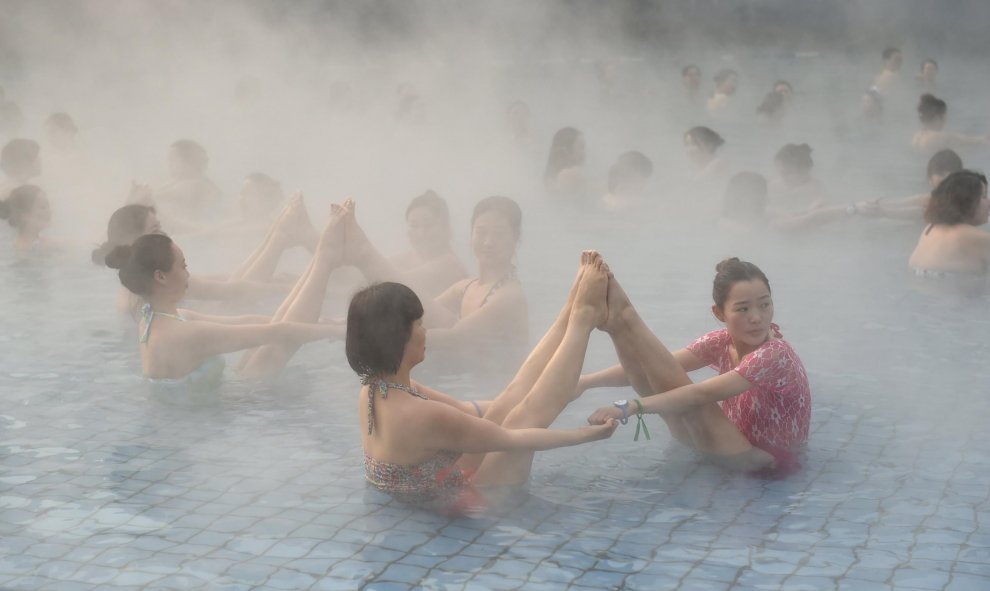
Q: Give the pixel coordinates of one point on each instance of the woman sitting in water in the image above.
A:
(796, 189)
(627, 182)
(702, 145)
(430, 264)
(253, 277)
(753, 415)
(563, 176)
(952, 245)
(775, 105)
(744, 206)
(726, 82)
(27, 210)
(926, 78)
(480, 322)
(932, 112)
(183, 347)
(940, 165)
(190, 194)
(429, 449)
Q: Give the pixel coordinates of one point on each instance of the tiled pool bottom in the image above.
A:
(267, 495)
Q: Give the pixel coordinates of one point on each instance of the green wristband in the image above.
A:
(640, 423)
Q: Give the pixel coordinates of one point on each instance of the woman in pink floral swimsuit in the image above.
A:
(751, 416)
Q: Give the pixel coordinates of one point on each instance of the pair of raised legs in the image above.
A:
(546, 382)
(652, 370)
(305, 302)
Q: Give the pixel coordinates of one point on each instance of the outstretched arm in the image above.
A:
(211, 338)
(683, 399)
(449, 429)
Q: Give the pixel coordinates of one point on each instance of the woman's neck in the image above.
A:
(163, 304)
(399, 377)
(494, 272)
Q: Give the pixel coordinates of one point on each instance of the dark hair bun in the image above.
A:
(100, 254)
(118, 257)
(725, 264)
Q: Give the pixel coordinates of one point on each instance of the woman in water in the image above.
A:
(429, 449)
(926, 78)
(940, 165)
(480, 322)
(775, 105)
(796, 189)
(564, 176)
(190, 194)
(932, 136)
(753, 415)
(27, 210)
(726, 82)
(627, 182)
(951, 244)
(744, 206)
(430, 264)
(702, 145)
(181, 347)
(252, 277)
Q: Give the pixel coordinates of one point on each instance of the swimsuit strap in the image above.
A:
(148, 314)
(499, 284)
(383, 387)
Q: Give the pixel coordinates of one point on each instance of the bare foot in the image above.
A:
(297, 220)
(565, 312)
(358, 245)
(618, 305)
(589, 301)
(331, 243)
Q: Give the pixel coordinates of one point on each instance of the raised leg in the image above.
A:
(554, 387)
(292, 228)
(706, 428)
(305, 302)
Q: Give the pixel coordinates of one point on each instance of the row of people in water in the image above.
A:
(430, 449)
(748, 201)
(776, 103)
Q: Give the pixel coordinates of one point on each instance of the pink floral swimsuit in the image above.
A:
(776, 412)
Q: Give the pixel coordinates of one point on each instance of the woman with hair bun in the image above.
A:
(754, 415)
(951, 244)
(254, 276)
(182, 348)
(27, 210)
(932, 112)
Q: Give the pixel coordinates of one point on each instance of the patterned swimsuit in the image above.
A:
(437, 484)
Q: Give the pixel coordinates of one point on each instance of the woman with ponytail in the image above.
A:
(753, 415)
(932, 112)
(182, 347)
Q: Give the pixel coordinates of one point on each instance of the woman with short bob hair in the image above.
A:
(429, 449)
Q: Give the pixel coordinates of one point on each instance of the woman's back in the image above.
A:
(959, 248)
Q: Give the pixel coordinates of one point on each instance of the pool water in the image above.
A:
(104, 485)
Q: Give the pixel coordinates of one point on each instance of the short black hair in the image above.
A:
(889, 52)
(379, 324)
(944, 162)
